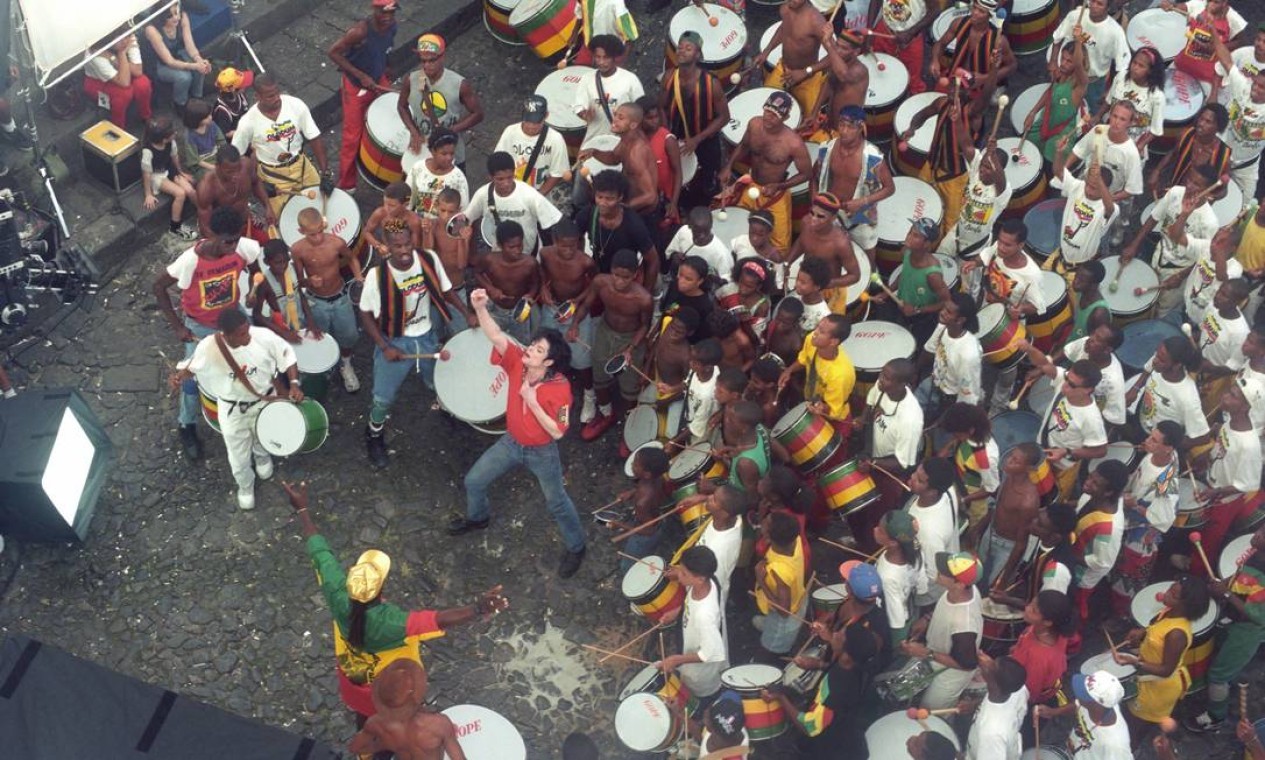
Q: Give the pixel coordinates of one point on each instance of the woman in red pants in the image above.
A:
(117, 74)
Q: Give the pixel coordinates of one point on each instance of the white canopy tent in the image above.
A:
(62, 35)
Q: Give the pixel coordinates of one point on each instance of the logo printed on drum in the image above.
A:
(729, 39)
(920, 206)
(498, 384)
(1183, 92)
(339, 226)
(870, 334)
(473, 727)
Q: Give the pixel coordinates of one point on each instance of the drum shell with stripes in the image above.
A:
(809, 439)
(547, 26)
(1047, 330)
(1031, 24)
(1026, 177)
(764, 719)
(496, 18)
(999, 335)
(651, 591)
(1198, 657)
(846, 489)
(383, 142)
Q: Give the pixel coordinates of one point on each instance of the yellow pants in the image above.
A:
(780, 208)
(288, 180)
(952, 193)
(805, 93)
(1210, 391)
(1066, 480)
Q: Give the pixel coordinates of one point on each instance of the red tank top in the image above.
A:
(213, 288)
(658, 144)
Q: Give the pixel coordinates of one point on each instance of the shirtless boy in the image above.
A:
(737, 345)
(1018, 501)
(394, 206)
(822, 238)
(566, 274)
(510, 276)
(847, 80)
(669, 361)
(318, 257)
(232, 184)
(636, 156)
(649, 496)
(626, 311)
(402, 724)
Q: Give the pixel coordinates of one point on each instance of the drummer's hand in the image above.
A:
(584, 155)
(392, 354)
(479, 298)
(705, 486)
(1221, 588)
(821, 630)
(935, 69)
(969, 266)
(296, 392)
(1124, 659)
(315, 332)
(1023, 344)
(1040, 711)
(863, 465)
(491, 602)
(907, 309)
(1246, 732)
(573, 334)
(297, 494)
(672, 213)
(914, 648)
(415, 143)
(1166, 5)
(291, 336)
(1055, 454)
(1133, 637)
(784, 379)
(819, 407)
(1128, 253)
(1171, 282)
(585, 114)
(174, 380)
(1013, 311)
(670, 617)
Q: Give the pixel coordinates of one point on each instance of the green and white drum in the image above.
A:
(316, 359)
(285, 428)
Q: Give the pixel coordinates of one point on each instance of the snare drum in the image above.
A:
(651, 680)
(810, 440)
(1031, 25)
(948, 270)
(1025, 176)
(1146, 607)
(645, 723)
(765, 719)
(1048, 330)
(999, 335)
(1002, 626)
(647, 586)
(914, 156)
(1163, 30)
(873, 343)
(887, 736)
(1120, 451)
(847, 489)
(826, 599)
(547, 26)
(1143, 338)
(804, 683)
(689, 464)
(1183, 97)
(913, 199)
(723, 45)
(342, 216)
(747, 106)
(641, 426)
(1045, 228)
(315, 360)
(485, 733)
(469, 386)
(383, 142)
(888, 87)
(285, 428)
(1126, 674)
(1123, 300)
(1233, 556)
(1191, 514)
(693, 516)
(496, 19)
(558, 88)
(210, 408)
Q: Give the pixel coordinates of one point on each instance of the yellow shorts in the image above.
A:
(805, 93)
(780, 208)
(288, 180)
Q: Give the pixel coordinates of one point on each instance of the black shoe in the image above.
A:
(189, 440)
(376, 446)
(570, 564)
(18, 139)
(461, 526)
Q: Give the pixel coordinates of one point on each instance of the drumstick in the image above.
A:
(919, 714)
(1213, 410)
(1110, 643)
(1114, 285)
(870, 32)
(877, 280)
(782, 610)
(631, 641)
(647, 523)
(442, 356)
(1196, 538)
(606, 506)
(1002, 102)
(641, 561)
(1144, 291)
(617, 654)
(1242, 700)
(848, 549)
(703, 7)
(812, 636)
(1014, 402)
(1036, 729)
(898, 481)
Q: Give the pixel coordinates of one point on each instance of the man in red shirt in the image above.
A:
(536, 417)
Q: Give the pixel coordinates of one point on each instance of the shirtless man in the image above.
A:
(770, 147)
(1018, 501)
(981, 50)
(854, 172)
(626, 311)
(402, 724)
(231, 184)
(695, 110)
(634, 152)
(669, 361)
(510, 276)
(395, 200)
(801, 35)
(566, 274)
(318, 257)
(762, 389)
(821, 238)
(738, 347)
(847, 83)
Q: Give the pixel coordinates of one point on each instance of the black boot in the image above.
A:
(190, 442)
(376, 446)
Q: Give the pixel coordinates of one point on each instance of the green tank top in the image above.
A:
(760, 452)
(913, 288)
(1080, 318)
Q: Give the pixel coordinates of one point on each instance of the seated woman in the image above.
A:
(179, 62)
(116, 74)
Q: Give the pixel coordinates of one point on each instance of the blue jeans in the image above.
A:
(337, 317)
(189, 403)
(543, 462)
(184, 84)
(639, 545)
(388, 376)
(930, 398)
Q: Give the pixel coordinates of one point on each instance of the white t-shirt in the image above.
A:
(1122, 159)
(260, 360)
(1200, 225)
(726, 545)
(981, 207)
(551, 161)
(995, 732)
(1202, 283)
(1084, 220)
(1102, 555)
(813, 313)
(1148, 104)
(1055, 576)
(901, 15)
(102, 67)
(899, 583)
(1100, 742)
(1235, 460)
(1245, 134)
(937, 532)
(621, 87)
(1110, 390)
(1025, 282)
(1253, 385)
(949, 618)
(606, 16)
(957, 365)
(1158, 487)
(277, 140)
(1244, 59)
(719, 260)
(427, 185)
(743, 249)
(1071, 427)
(1179, 402)
(700, 403)
(703, 633)
(416, 297)
(897, 426)
(1221, 340)
(524, 205)
(1106, 45)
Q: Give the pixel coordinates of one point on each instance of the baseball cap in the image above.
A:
(431, 43)
(779, 102)
(386, 5)
(900, 525)
(990, 5)
(962, 567)
(1099, 687)
(365, 578)
(727, 715)
(762, 216)
(234, 79)
(535, 108)
(925, 227)
(692, 37)
(862, 579)
(852, 37)
(828, 201)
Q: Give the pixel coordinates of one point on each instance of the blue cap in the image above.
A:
(925, 227)
(864, 581)
(852, 112)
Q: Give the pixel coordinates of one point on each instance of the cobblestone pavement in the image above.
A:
(177, 587)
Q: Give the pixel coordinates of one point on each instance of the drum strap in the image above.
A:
(679, 101)
(728, 752)
(492, 200)
(234, 366)
(531, 159)
(601, 97)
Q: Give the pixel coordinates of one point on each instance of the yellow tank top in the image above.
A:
(1251, 253)
(1152, 649)
(790, 570)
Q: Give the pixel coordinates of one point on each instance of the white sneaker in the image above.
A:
(589, 410)
(348, 373)
(245, 500)
(263, 468)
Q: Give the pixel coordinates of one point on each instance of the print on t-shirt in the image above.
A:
(282, 132)
(218, 292)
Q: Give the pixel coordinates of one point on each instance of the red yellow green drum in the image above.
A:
(847, 489)
(764, 719)
(999, 335)
(1026, 176)
(809, 439)
(1046, 331)
(545, 25)
(496, 18)
(1198, 658)
(210, 409)
(693, 516)
(1031, 25)
(647, 586)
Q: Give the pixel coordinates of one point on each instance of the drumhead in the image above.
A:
(748, 105)
(1239, 548)
(1160, 29)
(1011, 428)
(1021, 106)
(643, 722)
(886, 86)
(342, 215)
(788, 420)
(913, 198)
(775, 55)
(873, 343)
(1054, 288)
(921, 140)
(558, 88)
(1030, 7)
(646, 679)
(1027, 170)
(996, 611)
(1106, 662)
(1183, 97)
(886, 737)
(751, 677)
(469, 386)
(733, 223)
(724, 42)
(944, 21)
(601, 142)
(281, 428)
(628, 463)
(640, 578)
(616, 364)
(1146, 606)
(385, 126)
(989, 317)
(834, 595)
(687, 465)
(1120, 451)
(316, 356)
(1227, 208)
(689, 167)
(1143, 339)
(486, 733)
(1044, 222)
(641, 426)
(1137, 274)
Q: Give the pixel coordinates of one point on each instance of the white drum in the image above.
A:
(644, 723)
(1146, 605)
(1183, 97)
(913, 198)
(886, 737)
(1228, 208)
(558, 88)
(1234, 555)
(1124, 300)
(689, 167)
(342, 215)
(729, 222)
(748, 105)
(920, 142)
(316, 357)
(1120, 451)
(1040, 395)
(723, 44)
(944, 21)
(486, 733)
(641, 426)
(1163, 30)
(628, 463)
(889, 83)
(1022, 105)
(873, 343)
(469, 386)
(775, 55)
(286, 428)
